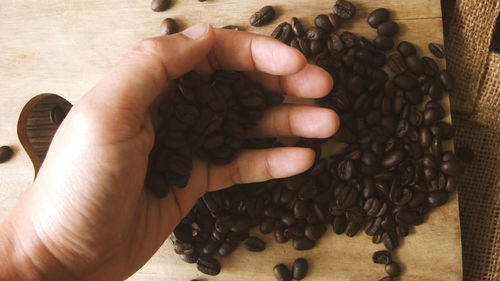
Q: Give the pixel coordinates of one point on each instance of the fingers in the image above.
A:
(247, 52)
(142, 75)
(299, 121)
(260, 165)
(310, 82)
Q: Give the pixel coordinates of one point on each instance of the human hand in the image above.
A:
(88, 215)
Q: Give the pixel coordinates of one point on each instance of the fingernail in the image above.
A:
(196, 31)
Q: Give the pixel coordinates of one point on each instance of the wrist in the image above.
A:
(24, 256)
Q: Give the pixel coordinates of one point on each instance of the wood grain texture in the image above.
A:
(65, 47)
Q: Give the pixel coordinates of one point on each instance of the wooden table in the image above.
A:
(64, 47)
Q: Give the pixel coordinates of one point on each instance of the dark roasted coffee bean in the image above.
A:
(415, 64)
(437, 198)
(393, 158)
(451, 168)
(382, 257)
(5, 153)
(335, 21)
(160, 5)
(430, 116)
(254, 244)
(316, 46)
(344, 9)
(278, 30)
(286, 34)
(388, 28)
(352, 229)
(289, 219)
(267, 225)
(263, 16)
(335, 44)
(231, 27)
(282, 273)
(226, 248)
(383, 43)
(373, 227)
(447, 80)
(396, 63)
(390, 240)
(406, 48)
(208, 265)
(339, 224)
(168, 26)
(346, 169)
(377, 17)
(413, 96)
(189, 258)
(405, 82)
(435, 90)
(210, 247)
(280, 237)
(302, 244)
(393, 269)
(323, 22)
(314, 232)
(437, 50)
(431, 67)
(349, 39)
(314, 33)
(297, 27)
(300, 268)
(377, 239)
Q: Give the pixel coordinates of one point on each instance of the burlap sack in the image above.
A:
(475, 106)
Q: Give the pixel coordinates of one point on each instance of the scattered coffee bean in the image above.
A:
(160, 5)
(437, 50)
(297, 27)
(168, 26)
(208, 265)
(389, 28)
(263, 16)
(406, 49)
(5, 153)
(300, 268)
(393, 269)
(344, 9)
(377, 17)
(254, 244)
(382, 257)
(282, 273)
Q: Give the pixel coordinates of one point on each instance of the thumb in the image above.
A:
(142, 75)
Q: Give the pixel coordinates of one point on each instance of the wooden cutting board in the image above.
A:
(64, 47)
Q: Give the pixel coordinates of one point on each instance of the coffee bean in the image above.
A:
(437, 50)
(437, 198)
(431, 67)
(262, 17)
(335, 21)
(405, 82)
(383, 43)
(447, 80)
(390, 240)
(393, 158)
(382, 257)
(406, 49)
(231, 27)
(322, 21)
(346, 169)
(278, 30)
(302, 244)
(415, 64)
(314, 33)
(314, 232)
(160, 5)
(451, 168)
(388, 28)
(300, 268)
(297, 27)
(435, 90)
(254, 244)
(282, 273)
(168, 26)
(335, 44)
(208, 265)
(377, 17)
(392, 269)
(344, 9)
(396, 63)
(5, 153)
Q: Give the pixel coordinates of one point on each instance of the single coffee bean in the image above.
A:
(297, 27)
(396, 63)
(323, 22)
(415, 64)
(393, 158)
(314, 33)
(335, 21)
(377, 17)
(278, 30)
(227, 248)
(160, 5)
(254, 244)
(383, 43)
(344, 9)
(447, 80)
(5, 153)
(282, 273)
(302, 244)
(452, 168)
(431, 67)
(435, 90)
(406, 48)
(393, 269)
(437, 50)
(335, 44)
(262, 17)
(405, 82)
(231, 27)
(388, 28)
(390, 240)
(314, 232)
(168, 26)
(300, 268)
(208, 265)
(382, 257)
(437, 198)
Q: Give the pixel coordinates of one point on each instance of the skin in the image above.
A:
(88, 216)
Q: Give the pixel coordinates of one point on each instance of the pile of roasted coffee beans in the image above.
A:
(393, 171)
(207, 118)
